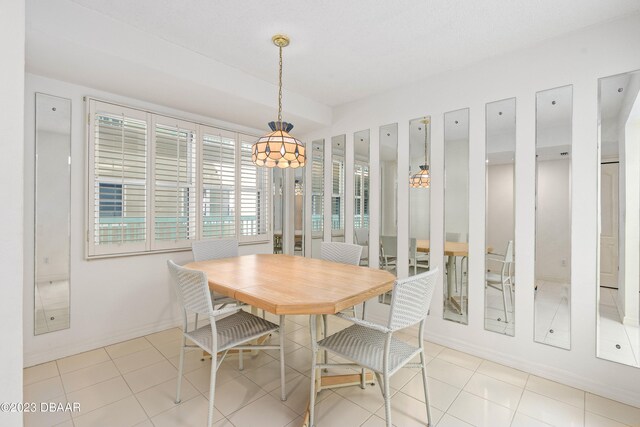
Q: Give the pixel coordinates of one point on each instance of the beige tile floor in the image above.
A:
(133, 384)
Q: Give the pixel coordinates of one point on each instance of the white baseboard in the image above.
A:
(36, 358)
(630, 397)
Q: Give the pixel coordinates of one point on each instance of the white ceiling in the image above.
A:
(340, 50)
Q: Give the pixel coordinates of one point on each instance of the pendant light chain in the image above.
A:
(280, 88)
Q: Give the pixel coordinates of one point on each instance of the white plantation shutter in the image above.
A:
(218, 160)
(317, 190)
(175, 197)
(361, 206)
(254, 195)
(337, 199)
(117, 180)
(158, 183)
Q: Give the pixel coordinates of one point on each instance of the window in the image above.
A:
(361, 202)
(337, 197)
(254, 194)
(218, 182)
(159, 183)
(317, 189)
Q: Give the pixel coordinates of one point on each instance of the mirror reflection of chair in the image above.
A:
(502, 282)
(388, 252)
(361, 237)
(417, 259)
(235, 330)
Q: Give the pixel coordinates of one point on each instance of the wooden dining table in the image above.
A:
(293, 285)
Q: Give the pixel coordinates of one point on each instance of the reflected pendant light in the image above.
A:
(278, 148)
(422, 179)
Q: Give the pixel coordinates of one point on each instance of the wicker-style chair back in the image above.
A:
(214, 249)
(344, 253)
(411, 299)
(508, 253)
(192, 288)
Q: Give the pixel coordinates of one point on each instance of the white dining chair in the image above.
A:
(373, 346)
(503, 282)
(206, 250)
(234, 331)
(344, 253)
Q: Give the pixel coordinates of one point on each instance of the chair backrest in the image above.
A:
(345, 253)
(453, 237)
(362, 236)
(214, 249)
(192, 288)
(389, 245)
(508, 253)
(410, 299)
(413, 247)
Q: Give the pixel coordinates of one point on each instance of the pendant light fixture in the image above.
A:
(278, 148)
(422, 179)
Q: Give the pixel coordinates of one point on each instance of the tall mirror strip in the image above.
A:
(298, 212)
(337, 187)
(52, 213)
(361, 189)
(456, 216)
(317, 196)
(389, 197)
(278, 193)
(419, 194)
(500, 197)
(618, 295)
(552, 287)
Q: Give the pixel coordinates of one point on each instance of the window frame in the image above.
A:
(150, 245)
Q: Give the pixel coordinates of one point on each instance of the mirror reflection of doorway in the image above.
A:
(609, 225)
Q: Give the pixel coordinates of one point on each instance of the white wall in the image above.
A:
(553, 222)
(456, 198)
(579, 59)
(500, 213)
(12, 29)
(112, 299)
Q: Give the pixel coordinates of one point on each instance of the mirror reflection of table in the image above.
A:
(451, 251)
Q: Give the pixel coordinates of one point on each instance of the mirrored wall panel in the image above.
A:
(456, 215)
(619, 219)
(554, 116)
(337, 187)
(499, 287)
(52, 207)
(298, 211)
(278, 177)
(419, 194)
(389, 197)
(317, 196)
(361, 193)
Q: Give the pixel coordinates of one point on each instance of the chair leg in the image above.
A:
(387, 400)
(240, 361)
(364, 307)
(312, 392)
(283, 395)
(326, 334)
(423, 362)
(212, 387)
(180, 369)
(504, 303)
(195, 325)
